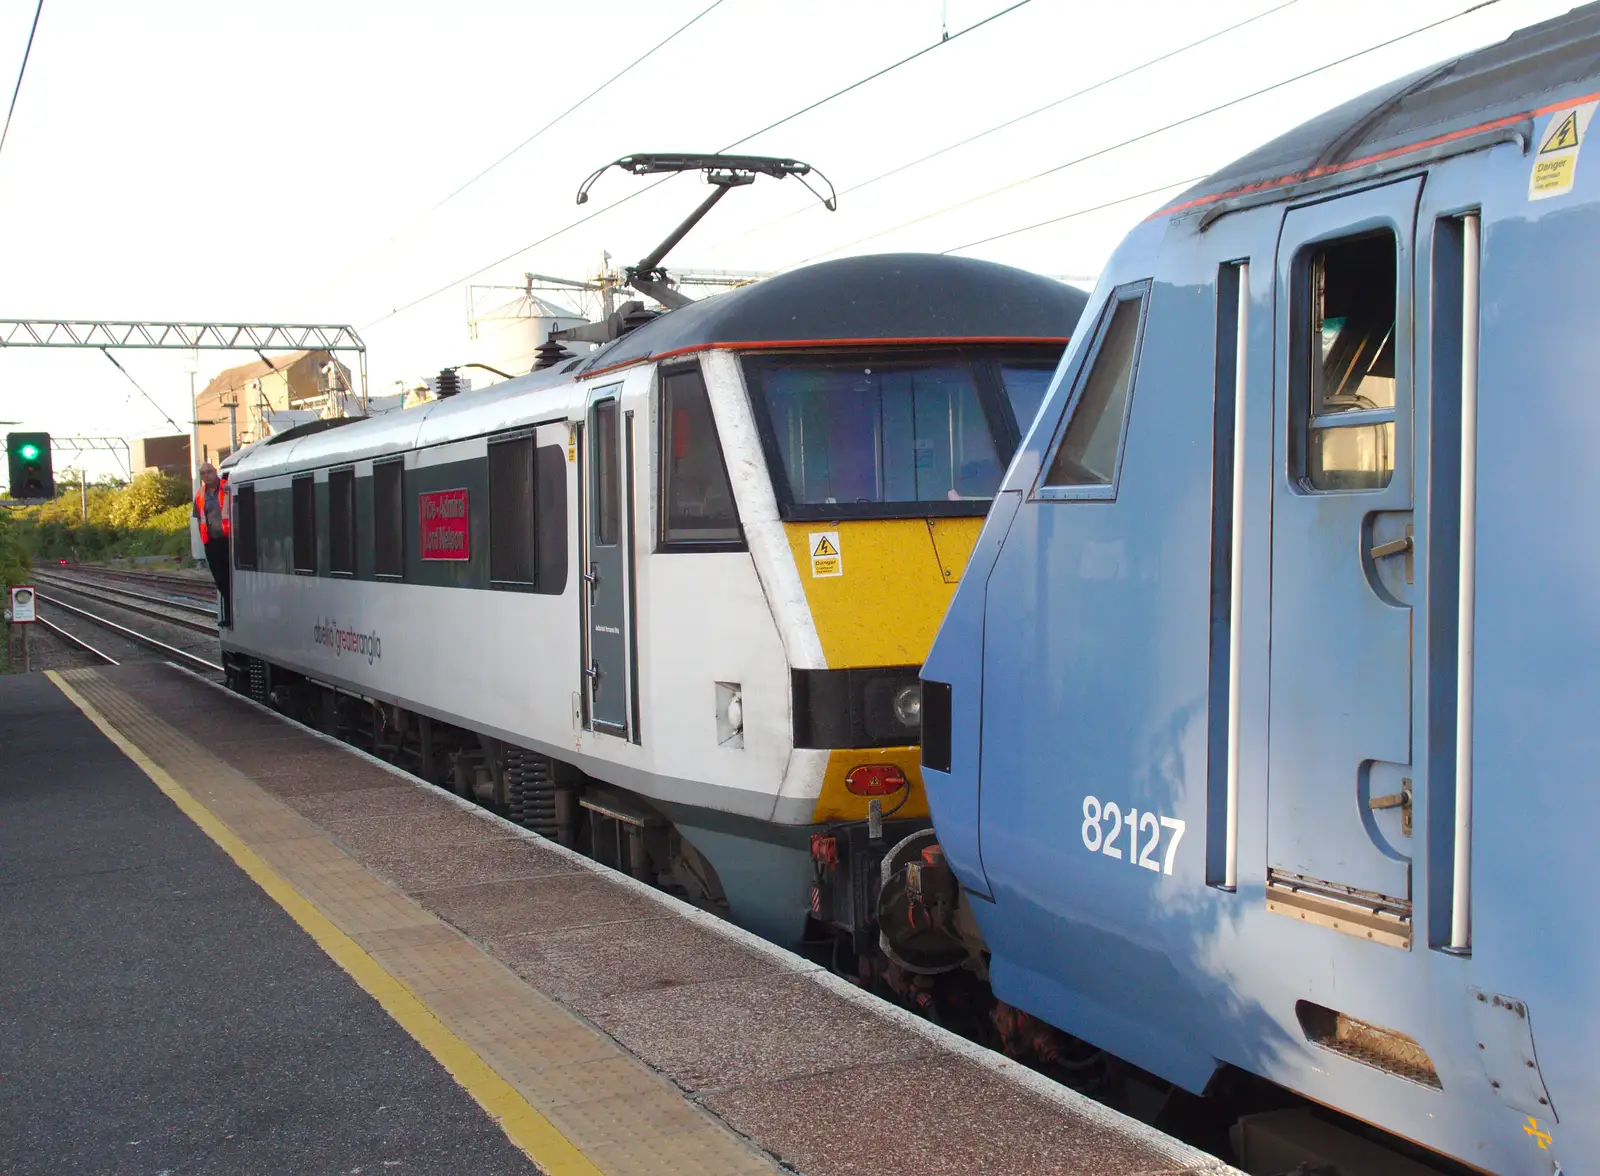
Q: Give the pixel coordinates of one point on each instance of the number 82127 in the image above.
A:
(1110, 831)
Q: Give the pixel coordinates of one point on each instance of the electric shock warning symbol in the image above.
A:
(1555, 167)
(826, 559)
(1565, 135)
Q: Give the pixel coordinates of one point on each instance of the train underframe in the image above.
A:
(885, 911)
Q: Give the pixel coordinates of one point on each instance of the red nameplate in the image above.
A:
(444, 530)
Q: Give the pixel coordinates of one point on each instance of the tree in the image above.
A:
(147, 496)
(13, 556)
(149, 516)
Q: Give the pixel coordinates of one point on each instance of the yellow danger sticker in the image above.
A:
(826, 559)
(1555, 167)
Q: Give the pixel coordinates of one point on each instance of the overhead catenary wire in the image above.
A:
(17, 89)
(947, 39)
(614, 78)
(142, 392)
(1038, 110)
(1077, 213)
(1143, 135)
(436, 206)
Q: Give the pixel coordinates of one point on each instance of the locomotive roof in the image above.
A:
(898, 297)
(1491, 94)
(906, 297)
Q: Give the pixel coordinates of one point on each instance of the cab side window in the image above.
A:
(1347, 413)
(1090, 447)
(697, 510)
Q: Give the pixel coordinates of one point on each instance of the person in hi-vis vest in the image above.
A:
(216, 529)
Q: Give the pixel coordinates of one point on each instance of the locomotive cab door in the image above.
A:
(607, 613)
(1344, 528)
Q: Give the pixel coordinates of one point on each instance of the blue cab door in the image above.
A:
(1344, 529)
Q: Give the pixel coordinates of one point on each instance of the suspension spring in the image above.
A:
(530, 790)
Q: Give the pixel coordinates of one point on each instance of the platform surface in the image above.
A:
(229, 944)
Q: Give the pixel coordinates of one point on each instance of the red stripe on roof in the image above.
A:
(1378, 157)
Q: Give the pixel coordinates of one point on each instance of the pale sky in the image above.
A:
(282, 162)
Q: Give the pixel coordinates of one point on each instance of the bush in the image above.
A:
(144, 498)
(13, 554)
(149, 516)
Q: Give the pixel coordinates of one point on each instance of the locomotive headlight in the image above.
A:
(908, 706)
(871, 706)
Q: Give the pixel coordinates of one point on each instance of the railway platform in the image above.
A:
(230, 944)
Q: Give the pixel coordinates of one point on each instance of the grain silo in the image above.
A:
(505, 335)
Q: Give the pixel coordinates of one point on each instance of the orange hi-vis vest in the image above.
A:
(222, 505)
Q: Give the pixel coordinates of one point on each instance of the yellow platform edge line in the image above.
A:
(530, 1131)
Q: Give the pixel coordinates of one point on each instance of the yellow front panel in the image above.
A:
(879, 600)
(878, 590)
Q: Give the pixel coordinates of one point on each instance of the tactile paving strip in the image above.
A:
(623, 1118)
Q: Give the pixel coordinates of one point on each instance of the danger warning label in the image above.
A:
(826, 559)
(1555, 167)
(1565, 135)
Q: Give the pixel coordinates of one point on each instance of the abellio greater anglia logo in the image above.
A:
(343, 641)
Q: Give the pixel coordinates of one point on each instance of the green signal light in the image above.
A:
(29, 452)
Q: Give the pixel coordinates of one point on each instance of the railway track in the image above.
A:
(124, 633)
(183, 656)
(192, 587)
(100, 623)
(73, 641)
(175, 612)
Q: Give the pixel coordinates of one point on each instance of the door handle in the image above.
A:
(592, 577)
(593, 672)
(1404, 545)
(1400, 800)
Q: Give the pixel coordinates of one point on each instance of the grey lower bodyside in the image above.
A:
(758, 845)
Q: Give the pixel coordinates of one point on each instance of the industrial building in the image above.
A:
(274, 393)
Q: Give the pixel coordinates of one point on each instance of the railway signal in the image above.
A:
(30, 466)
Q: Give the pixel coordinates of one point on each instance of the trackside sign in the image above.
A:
(22, 605)
(444, 530)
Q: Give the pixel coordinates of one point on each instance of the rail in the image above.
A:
(76, 640)
(98, 590)
(187, 585)
(182, 655)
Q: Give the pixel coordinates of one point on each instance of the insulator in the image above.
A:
(550, 353)
(449, 383)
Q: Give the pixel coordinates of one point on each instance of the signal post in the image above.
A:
(23, 611)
